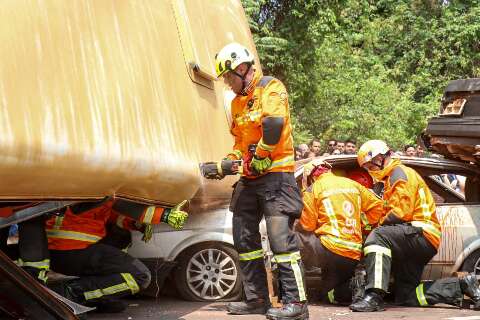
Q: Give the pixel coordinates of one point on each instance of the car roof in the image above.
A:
(440, 164)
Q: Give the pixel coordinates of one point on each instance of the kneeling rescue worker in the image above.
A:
(406, 240)
(267, 188)
(332, 210)
(76, 248)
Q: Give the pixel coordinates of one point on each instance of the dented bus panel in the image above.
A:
(113, 97)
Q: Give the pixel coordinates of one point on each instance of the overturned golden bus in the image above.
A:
(113, 97)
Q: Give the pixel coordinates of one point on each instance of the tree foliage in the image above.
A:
(365, 69)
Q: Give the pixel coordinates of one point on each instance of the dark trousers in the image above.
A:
(336, 270)
(276, 197)
(404, 250)
(104, 271)
(33, 251)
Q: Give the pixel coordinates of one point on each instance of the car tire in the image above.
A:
(209, 272)
(472, 263)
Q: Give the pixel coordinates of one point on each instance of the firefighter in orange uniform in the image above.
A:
(332, 208)
(407, 238)
(106, 273)
(263, 139)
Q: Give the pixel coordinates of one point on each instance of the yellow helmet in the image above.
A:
(230, 57)
(370, 150)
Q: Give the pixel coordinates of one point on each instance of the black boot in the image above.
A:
(259, 306)
(470, 287)
(289, 311)
(371, 302)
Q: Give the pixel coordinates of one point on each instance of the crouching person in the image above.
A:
(332, 209)
(406, 240)
(105, 272)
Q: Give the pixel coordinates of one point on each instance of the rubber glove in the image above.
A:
(176, 217)
(260, 165)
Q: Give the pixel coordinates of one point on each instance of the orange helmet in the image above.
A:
(361, 176)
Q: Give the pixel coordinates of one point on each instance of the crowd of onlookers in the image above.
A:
(349, 146)
(314, 148)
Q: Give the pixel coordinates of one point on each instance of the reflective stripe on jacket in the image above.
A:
(332, 208)
(78, 230)
(248, 113)
(408, 198)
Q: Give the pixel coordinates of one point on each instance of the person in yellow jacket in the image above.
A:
(407, 238)
(262, 132)
(332, 211)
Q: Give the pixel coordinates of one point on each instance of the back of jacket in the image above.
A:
(408, 198)
(332, 208)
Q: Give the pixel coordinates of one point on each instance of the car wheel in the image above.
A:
(209, 272)
(472, 263)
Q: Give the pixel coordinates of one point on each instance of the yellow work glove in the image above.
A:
(147, 232)
(260, 165)
(176, 217)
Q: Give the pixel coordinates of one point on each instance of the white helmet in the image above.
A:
(230, 57)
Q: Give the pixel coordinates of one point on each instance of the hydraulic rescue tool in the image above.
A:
(218, 170)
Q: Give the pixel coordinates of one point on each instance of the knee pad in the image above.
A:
(143, 276)
(281, 237)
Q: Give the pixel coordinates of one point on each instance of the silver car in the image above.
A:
(205, 266)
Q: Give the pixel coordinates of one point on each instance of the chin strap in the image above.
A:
(243, 92)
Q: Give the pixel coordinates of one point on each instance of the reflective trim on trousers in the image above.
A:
(293, 258)
(331, 296)
(132, 284)
(43, 264)
(377, 249)
(252, 255)
(421, 295)
(129, 285)
(379, 252)
(42, 275)
(73, 235)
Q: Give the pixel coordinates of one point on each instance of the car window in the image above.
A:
(443, 190)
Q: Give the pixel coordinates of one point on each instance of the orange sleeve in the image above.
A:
(371, 205)
(122, 221)
(398, 202)
(309, 217)
(275, 100)
(152, 215)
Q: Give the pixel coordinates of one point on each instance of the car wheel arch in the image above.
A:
(470, 249)
(198, 239)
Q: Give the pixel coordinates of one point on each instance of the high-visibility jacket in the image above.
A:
(269, 99)
(332, 208)
(79, 228)
(408, 199)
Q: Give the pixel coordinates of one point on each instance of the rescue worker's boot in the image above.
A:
(470, 287)
(289, 311)
(373, 301)
(259, 306)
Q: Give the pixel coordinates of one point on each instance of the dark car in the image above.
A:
(455, 131)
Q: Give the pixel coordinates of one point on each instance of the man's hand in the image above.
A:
(176, 217)
(260, 165)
